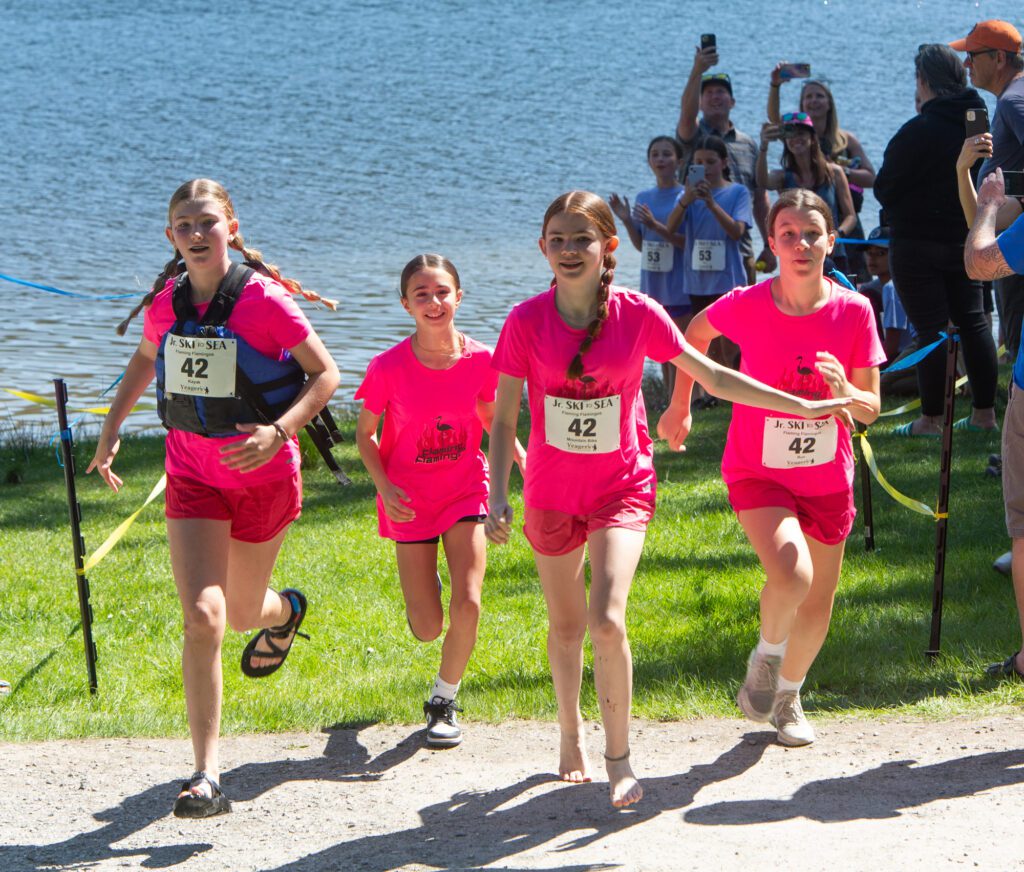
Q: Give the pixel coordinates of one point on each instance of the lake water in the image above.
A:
(353, 136)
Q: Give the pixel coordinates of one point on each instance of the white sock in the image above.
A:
(772, 649)
(444, 690)
(785, 684)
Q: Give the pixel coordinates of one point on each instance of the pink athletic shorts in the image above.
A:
(553, 533)
(827, 518)
(257, 513)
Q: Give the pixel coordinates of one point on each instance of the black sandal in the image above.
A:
(1005, 669)
(291, 626)
(188, 805)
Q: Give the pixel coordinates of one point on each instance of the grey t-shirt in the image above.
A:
(1007, 131)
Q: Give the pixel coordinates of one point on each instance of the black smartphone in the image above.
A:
(975, 122)
(1013, 182)
(707, 40)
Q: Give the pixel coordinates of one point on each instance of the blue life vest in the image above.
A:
(264, 387)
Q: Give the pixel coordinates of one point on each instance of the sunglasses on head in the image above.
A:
(715, 77)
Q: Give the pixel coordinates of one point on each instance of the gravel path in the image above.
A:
(721, 795)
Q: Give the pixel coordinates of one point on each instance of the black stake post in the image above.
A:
(942, 508)
(865, 492)
(77, 542)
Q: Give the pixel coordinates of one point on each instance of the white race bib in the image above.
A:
(657, 256)
(708, 255)
(790, 443)
(200, 366)
(583, 426)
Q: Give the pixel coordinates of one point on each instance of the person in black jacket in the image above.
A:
(917, 187)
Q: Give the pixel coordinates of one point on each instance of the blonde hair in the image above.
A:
(833, 140)
(208, 189)
(595, 210)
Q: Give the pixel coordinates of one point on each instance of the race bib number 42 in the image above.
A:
(790, 443)
(199, 366)
(582, 426)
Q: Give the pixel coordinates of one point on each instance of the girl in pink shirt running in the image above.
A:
(233, 487)
(791, 481)
(589, 482)
(435, 391)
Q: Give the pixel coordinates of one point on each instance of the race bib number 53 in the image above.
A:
(199, 366)
(582, 426)
(790, 443)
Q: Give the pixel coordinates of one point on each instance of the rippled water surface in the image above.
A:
(354, 136)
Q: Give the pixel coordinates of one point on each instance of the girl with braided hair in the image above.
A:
(233, 484)
(589, 481)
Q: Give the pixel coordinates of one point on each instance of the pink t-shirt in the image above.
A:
(596, 448)
(430, 442)
(781, 351)
(268, 318)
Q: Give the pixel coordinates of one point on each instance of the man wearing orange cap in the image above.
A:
(996, 65)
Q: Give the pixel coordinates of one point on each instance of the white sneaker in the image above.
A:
(443, 729)
(789, 720)
(757, 695)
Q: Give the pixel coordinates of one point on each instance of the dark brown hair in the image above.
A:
(800, 198)
(427, 261)
(819, 166)
(207, 189)
(595, 210)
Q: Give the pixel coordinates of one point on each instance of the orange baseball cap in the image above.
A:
(992, 34)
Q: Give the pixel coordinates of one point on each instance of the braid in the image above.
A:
(173, 267)
(255, 259)
(594, 328)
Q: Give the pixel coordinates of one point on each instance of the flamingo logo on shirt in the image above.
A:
(803, 381)
(441, 442)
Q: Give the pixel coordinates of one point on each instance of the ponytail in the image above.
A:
(254, 258)
(594, 328)
(174, 267)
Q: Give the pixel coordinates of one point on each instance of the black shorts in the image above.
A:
(472, 519)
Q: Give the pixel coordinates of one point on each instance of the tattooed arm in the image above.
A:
(982, 257)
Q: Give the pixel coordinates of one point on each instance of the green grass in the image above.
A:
(692, 614)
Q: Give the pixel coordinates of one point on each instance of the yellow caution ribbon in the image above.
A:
(49, 401)
(122, 528)
(914, 404)
(902, 499)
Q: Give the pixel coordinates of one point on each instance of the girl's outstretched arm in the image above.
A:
(676, 421)
(498, 525)
(138, 374)
(394, 498)
(485, 411)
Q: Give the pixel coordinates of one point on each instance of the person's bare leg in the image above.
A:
(614, 555)
(465, 548)
(564, 587)
(417, 573)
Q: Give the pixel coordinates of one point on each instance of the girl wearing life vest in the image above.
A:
(790, 481)
(239, 371)
(435, 391)
(580, 346)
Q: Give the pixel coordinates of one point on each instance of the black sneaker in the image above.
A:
(443, 729)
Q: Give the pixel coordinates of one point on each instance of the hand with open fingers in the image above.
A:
(643, 215)
(245, 455)
(620, 206)
(498, 525)
(840, 407)
(103, 460)
(674, 426)
(992, 190)
(397, 504)
(974, 149)
(776, 76)
(704, 191)
(834, 374)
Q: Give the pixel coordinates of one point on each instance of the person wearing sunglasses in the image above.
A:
(710, 94)
(996, 64)
(917, 187)
(804, 166)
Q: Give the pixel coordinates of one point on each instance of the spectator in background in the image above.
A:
(917, 186)
(996, 65)
(711, 94)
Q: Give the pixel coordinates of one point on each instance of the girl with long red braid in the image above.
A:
(589, 482)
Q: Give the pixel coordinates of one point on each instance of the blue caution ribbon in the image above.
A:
(52, 290)
(919, 355)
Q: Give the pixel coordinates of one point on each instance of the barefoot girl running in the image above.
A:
(580, 346)
(436, 393)
(214, 328)
(791, 482)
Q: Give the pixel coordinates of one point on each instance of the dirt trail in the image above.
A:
(721, 795)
